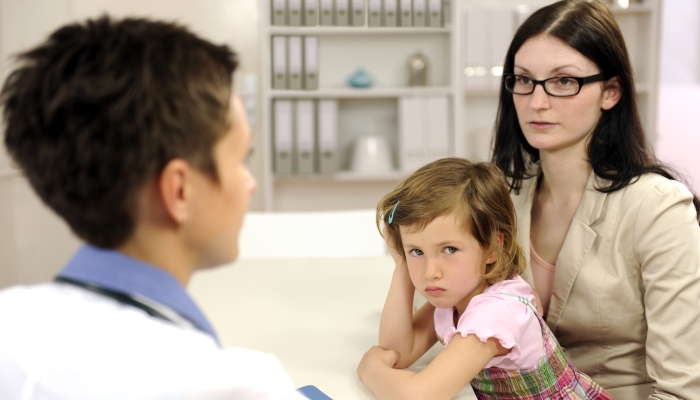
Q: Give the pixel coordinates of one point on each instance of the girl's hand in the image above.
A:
(381, 354)
(398, 257)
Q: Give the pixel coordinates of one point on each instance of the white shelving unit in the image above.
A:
(640, 23)
(383, 52)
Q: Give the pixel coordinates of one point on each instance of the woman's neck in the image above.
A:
(564, 176)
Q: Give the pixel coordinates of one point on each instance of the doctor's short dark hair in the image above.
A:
(476, 193)
(101, 107)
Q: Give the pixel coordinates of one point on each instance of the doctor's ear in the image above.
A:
(174, 189)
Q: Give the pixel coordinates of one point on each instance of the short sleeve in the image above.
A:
(509, 321)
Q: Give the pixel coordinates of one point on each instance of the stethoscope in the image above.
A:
(120, 297)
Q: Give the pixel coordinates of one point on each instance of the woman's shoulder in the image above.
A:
(654, 190)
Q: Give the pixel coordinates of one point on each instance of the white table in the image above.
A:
(319, 316)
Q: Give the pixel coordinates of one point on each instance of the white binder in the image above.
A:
(328, 136)
(390, 13)
(419, 13)
(295, 12)
(311, 62)
(310, 12)
(438, 128)
(279, 62)
(284, 136)
(295, 63)
(374, 15)
(326, 13)
(477, 42)
(279, 12)
(405, 14)
(305, 128)
(412, 131)
(435, 13)
(342, 12)
(358, 12)
(502, 31)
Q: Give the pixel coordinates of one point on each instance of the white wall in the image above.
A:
(678, 133)
(34, 242)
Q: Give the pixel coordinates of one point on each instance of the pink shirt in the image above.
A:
(494, 315)
(543, 277)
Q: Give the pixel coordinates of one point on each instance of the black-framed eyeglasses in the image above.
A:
(559, 86)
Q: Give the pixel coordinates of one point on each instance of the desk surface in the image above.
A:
(319, 316)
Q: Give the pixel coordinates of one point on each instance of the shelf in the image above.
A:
(345, 176)
(8, 173)
(368, 93)
(355, 30)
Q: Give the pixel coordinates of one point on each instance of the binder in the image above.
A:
(305, 129)
(279, 62)
(328, 136)
(405, 15)
(294, 10)
(311, 62)
(390, 13)
(284, 136)
(358, 12)
(446, 12)
(374, 16)
(419, 10)
(295, 62)
(310, 12)
(326, 13)
(412, 149)
(342, 12)
(477, 42)
(438, 128)
(279, 11)
(502, 31)
(435, 13)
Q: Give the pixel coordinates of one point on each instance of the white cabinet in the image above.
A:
(383, 53)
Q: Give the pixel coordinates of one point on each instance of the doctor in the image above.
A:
(130, 132)
(611, 238)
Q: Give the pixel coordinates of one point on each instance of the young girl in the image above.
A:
(451, 227)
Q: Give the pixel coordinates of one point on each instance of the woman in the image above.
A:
(611, 239)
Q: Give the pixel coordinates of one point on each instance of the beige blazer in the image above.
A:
(626, 299)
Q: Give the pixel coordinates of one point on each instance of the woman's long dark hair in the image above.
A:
(618, 150)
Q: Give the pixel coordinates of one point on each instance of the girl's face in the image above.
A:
(445, 262)
(551, 124)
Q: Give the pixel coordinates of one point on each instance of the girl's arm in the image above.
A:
(411, 335)
(446, 375)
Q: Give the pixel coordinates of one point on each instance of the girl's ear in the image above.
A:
(492, 255)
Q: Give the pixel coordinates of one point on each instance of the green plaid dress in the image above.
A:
(552, 378)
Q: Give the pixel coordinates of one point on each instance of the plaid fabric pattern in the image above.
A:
(552, 378)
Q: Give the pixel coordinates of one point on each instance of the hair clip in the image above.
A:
(391, 214)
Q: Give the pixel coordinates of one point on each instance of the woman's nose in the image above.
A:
(539, 99)
(251, 183)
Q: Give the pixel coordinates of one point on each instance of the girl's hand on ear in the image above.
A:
(377, 356)
(398, 257)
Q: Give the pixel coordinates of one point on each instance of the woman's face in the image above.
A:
(556, 124)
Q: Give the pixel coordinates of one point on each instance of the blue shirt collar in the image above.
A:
(113, 270)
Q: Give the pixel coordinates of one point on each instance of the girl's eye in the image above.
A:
(416, 252)
(524, 80)
(450, 250)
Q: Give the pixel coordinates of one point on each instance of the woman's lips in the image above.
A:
(434, 290)
(541, 124)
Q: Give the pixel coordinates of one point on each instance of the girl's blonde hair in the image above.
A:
(476, 193)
